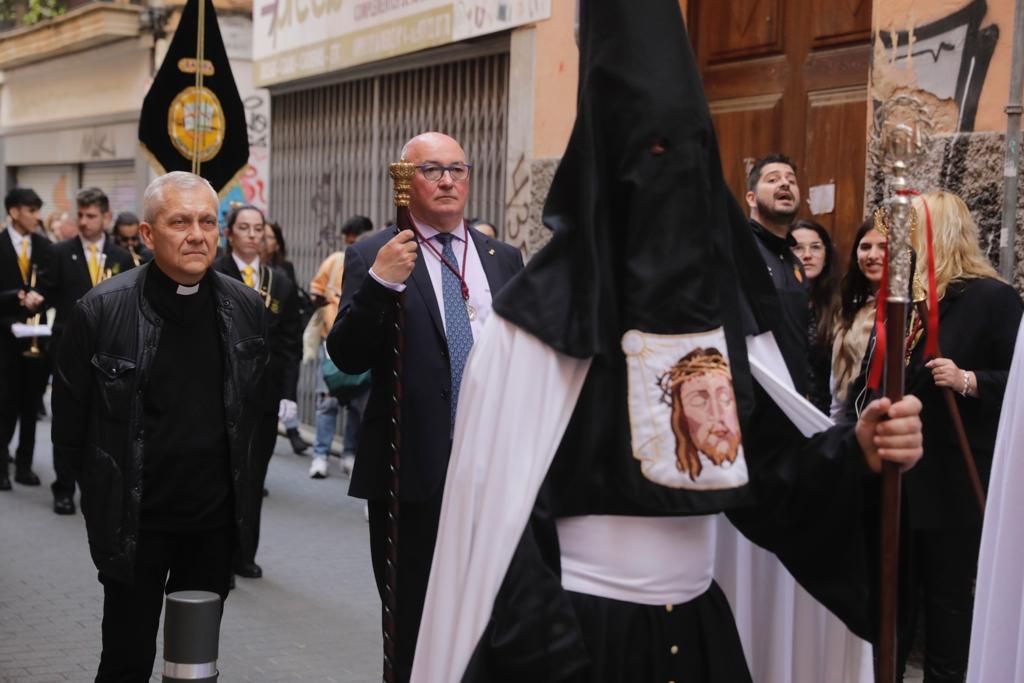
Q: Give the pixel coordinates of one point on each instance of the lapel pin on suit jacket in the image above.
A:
(491, 252)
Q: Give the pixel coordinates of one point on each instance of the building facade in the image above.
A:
(71, 88)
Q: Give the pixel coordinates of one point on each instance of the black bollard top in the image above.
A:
(192, 627)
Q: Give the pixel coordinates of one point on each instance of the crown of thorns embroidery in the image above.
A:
(697, 362)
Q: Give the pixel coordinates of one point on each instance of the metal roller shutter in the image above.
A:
(332, 146)
(117, 179)
(56, 185)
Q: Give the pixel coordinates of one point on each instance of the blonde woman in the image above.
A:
(979, 316)
(857, 309)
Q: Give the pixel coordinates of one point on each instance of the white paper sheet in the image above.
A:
(24, 330)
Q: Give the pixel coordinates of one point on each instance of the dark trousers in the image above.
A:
(164, 562)
(263, 441)
(942, 566)
(64, 484)
(22, 384)
(417, 531)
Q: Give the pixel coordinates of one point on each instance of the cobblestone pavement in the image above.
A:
(314, 616)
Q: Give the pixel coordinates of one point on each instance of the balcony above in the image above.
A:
(85, 26)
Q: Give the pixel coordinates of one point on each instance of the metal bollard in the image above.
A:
(191, 636)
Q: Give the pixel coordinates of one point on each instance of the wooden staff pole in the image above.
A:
(401, 173)
(901, 143)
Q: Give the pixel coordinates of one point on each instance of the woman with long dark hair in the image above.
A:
(275, 251)
(813, 246)
(857, 307)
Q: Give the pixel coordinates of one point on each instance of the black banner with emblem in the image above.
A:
(192, 118)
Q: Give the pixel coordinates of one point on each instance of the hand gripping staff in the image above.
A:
(401, 173)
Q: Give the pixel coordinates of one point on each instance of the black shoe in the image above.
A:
(299, 445)
(265, 492)
(26, 477)
(64, 505)
(249, 570)
(5, 480)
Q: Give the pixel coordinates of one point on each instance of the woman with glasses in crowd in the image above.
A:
(813, 246)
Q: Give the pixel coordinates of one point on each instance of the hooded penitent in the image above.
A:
(623, 347)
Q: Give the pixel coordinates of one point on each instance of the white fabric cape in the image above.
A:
(997, 634)
(497, 467)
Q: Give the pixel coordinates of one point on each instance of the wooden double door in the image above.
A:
(791, 76)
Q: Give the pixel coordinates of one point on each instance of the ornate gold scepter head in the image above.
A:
(402, 173)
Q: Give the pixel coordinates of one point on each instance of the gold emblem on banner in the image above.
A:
(189, 65)
(196, 109)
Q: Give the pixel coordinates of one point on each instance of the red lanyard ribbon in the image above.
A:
(931, 348)
(440, 257)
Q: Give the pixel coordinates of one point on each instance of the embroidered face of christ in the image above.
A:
(704, 415)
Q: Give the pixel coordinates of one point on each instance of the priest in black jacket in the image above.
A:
(155, 401)
(245, 228)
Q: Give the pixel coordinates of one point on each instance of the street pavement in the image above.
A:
(314, 616)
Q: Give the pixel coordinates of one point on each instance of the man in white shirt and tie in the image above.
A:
(23, 251)
(79, 264)
(444, 275)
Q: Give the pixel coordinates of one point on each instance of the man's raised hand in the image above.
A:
(395, 260)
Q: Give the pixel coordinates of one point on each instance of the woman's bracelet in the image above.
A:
(967, 384)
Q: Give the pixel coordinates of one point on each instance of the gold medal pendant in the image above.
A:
(471, 312)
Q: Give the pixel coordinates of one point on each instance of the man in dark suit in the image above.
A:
(245, 227)
(77, 265)
(22, 378)
(444, 274)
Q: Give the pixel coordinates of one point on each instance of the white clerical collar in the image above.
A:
(185, 290)
(242, 265)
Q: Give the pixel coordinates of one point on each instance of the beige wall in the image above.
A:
(556, 77)
(108, 80)
(891, 73)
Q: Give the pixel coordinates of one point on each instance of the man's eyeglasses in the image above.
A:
(434, 172)
(246, 229)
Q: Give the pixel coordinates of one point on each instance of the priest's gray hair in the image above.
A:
(153, 199)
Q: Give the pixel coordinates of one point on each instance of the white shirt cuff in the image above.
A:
(393, 286)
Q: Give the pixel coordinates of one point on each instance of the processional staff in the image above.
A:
(402, 173)
(902, 131)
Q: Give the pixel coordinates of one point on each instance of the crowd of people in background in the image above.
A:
(835, 303)
(826, 333)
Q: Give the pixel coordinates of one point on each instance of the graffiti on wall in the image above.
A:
(946, 59)
(326, 205)
(252, 186)
(254, 183)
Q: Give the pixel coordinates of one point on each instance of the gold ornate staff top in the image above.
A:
(902, 134)
(402, 173)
